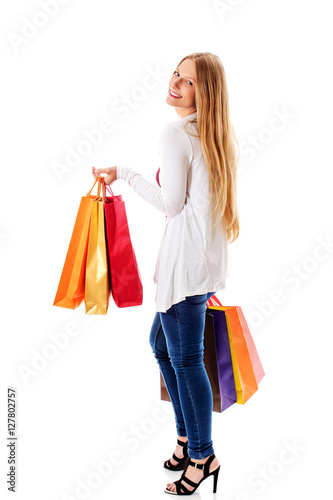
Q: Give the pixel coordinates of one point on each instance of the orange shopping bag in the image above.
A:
(71, 288)
(247, 367)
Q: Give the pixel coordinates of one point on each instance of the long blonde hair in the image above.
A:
(219, 143)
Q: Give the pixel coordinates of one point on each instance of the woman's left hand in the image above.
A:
(110, 171)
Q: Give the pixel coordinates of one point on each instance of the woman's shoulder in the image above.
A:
(180, 130)
(171, 128)
(174, 133)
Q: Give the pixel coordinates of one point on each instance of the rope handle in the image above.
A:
(101, 183)
(109, 189)
(89, 192)
(214, 301)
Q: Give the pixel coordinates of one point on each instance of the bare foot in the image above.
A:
(194, 474)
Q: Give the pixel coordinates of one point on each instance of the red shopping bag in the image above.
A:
(125, 276)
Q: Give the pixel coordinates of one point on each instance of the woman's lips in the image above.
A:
(174, 95)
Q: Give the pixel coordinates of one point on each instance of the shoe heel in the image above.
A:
(216, 476)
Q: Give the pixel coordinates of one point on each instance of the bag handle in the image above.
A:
(101, 182)
(89, 192)
(213, 301)
(109, 189)
(103, 189)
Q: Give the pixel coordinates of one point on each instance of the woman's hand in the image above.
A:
(111, 174)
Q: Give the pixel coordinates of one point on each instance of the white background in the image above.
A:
(97, 400)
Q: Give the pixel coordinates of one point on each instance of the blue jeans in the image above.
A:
(176, 338)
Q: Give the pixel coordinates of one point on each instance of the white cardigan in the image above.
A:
(193, 256)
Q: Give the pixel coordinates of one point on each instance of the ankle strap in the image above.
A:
(196, 465)
(202, 466)
(182, 443)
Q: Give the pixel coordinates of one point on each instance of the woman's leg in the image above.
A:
(159, 347)
(183, 326)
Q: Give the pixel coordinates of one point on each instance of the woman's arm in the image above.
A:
(176, 156)
(140, 185)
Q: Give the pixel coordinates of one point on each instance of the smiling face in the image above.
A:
(181, 93)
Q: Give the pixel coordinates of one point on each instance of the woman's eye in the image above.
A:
(177, 74)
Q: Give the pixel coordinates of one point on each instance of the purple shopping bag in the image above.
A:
(217, 358)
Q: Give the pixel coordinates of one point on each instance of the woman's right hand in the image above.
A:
(111, 174)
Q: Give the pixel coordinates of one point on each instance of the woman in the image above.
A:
(197, 193)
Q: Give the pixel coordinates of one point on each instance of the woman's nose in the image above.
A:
(176, 82)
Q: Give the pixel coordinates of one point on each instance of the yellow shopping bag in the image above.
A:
(97, 290)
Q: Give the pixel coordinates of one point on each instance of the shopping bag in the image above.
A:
(216, 338)
(71, 286)
(97, 290)
(125, 276)
(255, 360)
(247, 367)
(218, 362)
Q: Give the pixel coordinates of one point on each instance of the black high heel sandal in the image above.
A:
(181, 462)
(181, 488)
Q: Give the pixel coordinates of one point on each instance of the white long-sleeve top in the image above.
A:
(193, 256)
